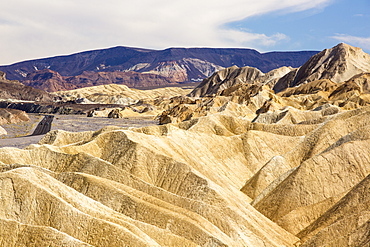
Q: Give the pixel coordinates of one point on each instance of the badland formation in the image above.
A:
(268, 156)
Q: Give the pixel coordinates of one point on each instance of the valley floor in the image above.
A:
(19, 135)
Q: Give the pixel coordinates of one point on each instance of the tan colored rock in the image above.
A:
(25, 234)
(146, 189)
(327, 167)
(224, 79)
(178, 184)
(242, 167)
(337, 64)
(119, 94)
(8, 116)
(233, 76)
(345, 224)
(3, 131)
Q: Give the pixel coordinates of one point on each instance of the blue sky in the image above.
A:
(43, 28)
(318, 28)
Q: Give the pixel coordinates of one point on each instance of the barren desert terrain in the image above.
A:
(19, 135)
(247, 158)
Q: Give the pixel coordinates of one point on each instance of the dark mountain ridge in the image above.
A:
(145, 60)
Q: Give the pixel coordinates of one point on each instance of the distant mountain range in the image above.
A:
(136, 67)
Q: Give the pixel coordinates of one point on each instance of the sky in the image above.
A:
(44, 28)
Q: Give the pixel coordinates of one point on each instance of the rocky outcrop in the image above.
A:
(14, 90)
(126, 102)
(251, 99)
(100, 100)
(337, 64)
(226, 78)
(233, 76)
(3, 131)
(8, 116)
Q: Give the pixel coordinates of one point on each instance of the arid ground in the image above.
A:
(19, 135)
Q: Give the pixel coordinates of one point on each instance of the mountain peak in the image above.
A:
(337, 64)
(342, 45)
(343, 49)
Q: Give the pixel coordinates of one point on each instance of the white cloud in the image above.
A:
(39, 28)
(363, 42)
(240, 38)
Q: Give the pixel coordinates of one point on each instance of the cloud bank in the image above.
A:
(39, 28)
(363, 42)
